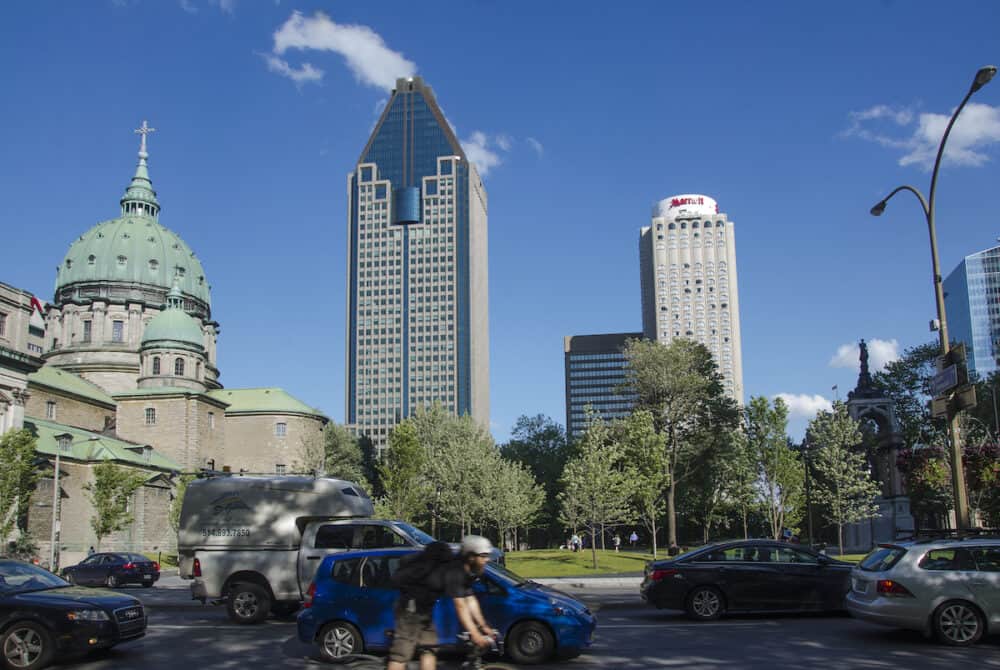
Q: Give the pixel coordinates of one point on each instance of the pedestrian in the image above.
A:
(574, 542)
(617, 541)
(633, 538)
(91, 552)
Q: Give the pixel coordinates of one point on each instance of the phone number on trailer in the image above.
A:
(225, 532)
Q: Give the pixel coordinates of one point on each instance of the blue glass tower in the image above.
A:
(417, 315)
(972, 302)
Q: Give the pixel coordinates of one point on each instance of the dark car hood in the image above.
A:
(75, 596)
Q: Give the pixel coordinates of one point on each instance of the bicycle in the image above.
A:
(473, 657)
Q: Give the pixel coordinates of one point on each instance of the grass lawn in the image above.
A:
(563, 563)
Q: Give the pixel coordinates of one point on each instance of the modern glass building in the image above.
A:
(595, 369)
(972, 302)
(687, 259)
(417, 299)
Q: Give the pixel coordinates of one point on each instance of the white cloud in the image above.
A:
(805, 405)
(303, 74)
(188, 6)
(478, 151)
(372, 62)
(537, 146)
(976, 129)
(227, 6)
(504, 142)
(880, 353)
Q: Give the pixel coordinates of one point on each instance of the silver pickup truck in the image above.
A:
(255, 542)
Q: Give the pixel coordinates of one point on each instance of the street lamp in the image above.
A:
(983, 77)
(64, 442)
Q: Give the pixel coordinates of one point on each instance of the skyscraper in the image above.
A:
(687, 259)
(417, 299)
(595, 372)
(971, 297)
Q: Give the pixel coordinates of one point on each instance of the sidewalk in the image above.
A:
(627, 580)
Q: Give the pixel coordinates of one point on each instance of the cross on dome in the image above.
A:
(143, 131)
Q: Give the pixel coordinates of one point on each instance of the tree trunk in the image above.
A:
(704, 533)
(603, 548)
(593, 545)
(746, 532)
(671, 516)
(653, 537)
(840, 537)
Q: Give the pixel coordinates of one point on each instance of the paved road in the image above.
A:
(185, 635)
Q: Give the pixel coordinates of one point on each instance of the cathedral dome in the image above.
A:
(133, 250)
(173, 326)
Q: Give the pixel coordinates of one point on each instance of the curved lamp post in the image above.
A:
(983, 77)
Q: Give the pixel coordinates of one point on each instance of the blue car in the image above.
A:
(349, 610)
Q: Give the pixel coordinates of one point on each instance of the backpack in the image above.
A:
(417, 576)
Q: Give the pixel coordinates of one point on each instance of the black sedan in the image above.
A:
(43, 618)
(112, 570)
(747, 576)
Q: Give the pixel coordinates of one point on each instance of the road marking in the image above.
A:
(706, 626)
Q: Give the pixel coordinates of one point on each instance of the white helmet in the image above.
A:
(476, 544)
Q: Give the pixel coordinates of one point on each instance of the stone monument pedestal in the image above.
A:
(892, 522)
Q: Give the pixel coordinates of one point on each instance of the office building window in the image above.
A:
(50, 410)
(117, 331)
(280, 429)
(150, 416)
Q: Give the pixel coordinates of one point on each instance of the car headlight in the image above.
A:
(88, 615)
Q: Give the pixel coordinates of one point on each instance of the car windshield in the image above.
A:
(881, 559)
(17, 577)
(506, 576)
(420, 536)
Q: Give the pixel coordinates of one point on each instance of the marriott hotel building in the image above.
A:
(687, 257)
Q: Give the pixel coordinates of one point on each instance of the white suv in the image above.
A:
(948, 587)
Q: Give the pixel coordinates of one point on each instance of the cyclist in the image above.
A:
(454, 579)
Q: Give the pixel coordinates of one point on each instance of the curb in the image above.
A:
(590, 582)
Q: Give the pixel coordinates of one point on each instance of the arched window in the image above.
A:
(179, 367)
(156, 365)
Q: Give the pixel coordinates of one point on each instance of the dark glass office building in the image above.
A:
(595, 369)
(972, 302)
(417, 298)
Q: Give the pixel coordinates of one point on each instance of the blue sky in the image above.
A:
(796, 117)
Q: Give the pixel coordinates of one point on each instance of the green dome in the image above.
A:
(173, 325)
(134, 250)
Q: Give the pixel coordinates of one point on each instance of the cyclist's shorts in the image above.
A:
(413, 630)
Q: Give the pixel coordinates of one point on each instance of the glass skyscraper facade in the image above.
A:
(595, 369)
(417, 316)
(972, 302)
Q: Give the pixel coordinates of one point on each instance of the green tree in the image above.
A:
(907, 381)
(402, 475)
(680, 386)
(706, 491)
(646, 454)
(596, 487)
(180, 489)
(780, 474)
(740, 473)
(843, 484)
(17, 478)
(927, 473)
(513, 498)
(343, 455)
(110, 493)
(540, 443)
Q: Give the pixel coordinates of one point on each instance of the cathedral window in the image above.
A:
(3, 324)
(117, 331)
(87, 330)
(156, 365)
(50, 410)
(122, 261)
(153, 265)
(150, 416)
(91, 259)
(179, 367)
(280, 429)
(279, 469)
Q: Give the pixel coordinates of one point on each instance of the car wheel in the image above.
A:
(111, 582)
(958, 623)
(248, 603)
(26, 646)
(529, 642)
(339, 639)
(705, 603)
